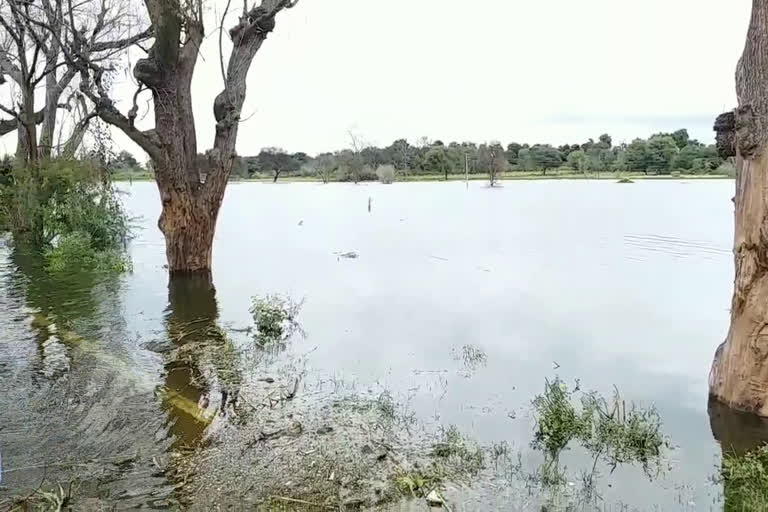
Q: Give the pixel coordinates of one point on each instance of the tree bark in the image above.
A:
(188, 222)
(739, 374)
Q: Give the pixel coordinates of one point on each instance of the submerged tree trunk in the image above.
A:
(188, 222)
(739, 374)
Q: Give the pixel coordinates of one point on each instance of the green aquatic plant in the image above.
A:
(276, 318)
(745, 481)
(454, 445)
(606, 429)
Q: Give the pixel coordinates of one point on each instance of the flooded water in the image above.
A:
(460, 302)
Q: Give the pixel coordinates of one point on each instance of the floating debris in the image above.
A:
(349, 255)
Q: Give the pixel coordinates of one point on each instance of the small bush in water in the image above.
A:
(275, 317)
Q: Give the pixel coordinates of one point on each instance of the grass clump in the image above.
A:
(745, 480)
(455, 446)
(419, 483)
(607, 430)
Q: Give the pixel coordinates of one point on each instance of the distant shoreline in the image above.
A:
(512, 176)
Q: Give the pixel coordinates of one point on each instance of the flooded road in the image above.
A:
(625, 286)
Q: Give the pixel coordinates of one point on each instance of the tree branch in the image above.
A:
(9, 125)
(121, 44)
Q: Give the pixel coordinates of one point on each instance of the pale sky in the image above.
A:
(550, 71)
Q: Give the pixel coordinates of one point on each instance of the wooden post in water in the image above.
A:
(466, 168)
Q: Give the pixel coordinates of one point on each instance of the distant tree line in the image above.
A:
(660, 154)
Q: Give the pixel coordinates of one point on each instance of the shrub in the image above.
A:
(75, 251)
(386, 173)
(69, 212)
(276, 318)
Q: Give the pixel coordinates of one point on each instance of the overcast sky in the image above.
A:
(509, 70)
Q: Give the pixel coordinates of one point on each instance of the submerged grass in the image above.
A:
(607, 430)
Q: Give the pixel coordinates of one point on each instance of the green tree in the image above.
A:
(681, 138)
(125, 160)
(525, 161)
(436, 161)
(513, 148)
(577, 160)
(605, 140)
(546, 157)
(400, 154)
(276, 161)
(600, 159)
(637, 158)
(685, 158)
(661, 151)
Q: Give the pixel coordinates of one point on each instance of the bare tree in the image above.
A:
(355, 164)
(191, 189)
(492, 157)
(739, 375)
(32, 53)
(325, 165)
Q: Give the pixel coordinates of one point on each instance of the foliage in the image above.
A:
(545, 157)
(662, 149)
(386, 173)
(276, 318)
(125, 162)
(75, 251)
(745, 480)
(437, 161)
(577, 160)
(69, 212)
(662, 153)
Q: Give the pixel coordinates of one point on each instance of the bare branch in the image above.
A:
(122, 44)
(221, 49)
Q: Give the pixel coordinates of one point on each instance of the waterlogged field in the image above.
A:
(417, 324)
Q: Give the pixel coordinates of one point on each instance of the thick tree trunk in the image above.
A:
(739, 375)
(188, 222)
